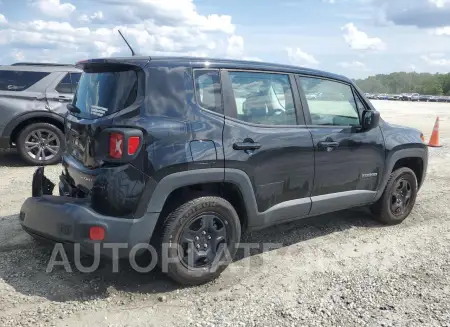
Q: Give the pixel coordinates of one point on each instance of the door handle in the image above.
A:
(62, 98)
(328, 144)
(246, 146)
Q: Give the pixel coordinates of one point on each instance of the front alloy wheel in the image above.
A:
(398, 198)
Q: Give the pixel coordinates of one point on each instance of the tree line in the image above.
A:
(403, 82)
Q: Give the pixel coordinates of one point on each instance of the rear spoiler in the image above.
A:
(126, 61)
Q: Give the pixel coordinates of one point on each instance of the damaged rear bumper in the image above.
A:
(69, 220)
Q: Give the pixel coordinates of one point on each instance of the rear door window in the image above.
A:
(65, 86)
(19, 80)
(263, 98)
(104, 93)
(69, 83)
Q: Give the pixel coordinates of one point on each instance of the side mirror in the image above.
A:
(370, 119)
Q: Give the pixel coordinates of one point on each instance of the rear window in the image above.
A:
(19, 80)
(103, 93)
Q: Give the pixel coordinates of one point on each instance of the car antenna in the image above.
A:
(123, 37)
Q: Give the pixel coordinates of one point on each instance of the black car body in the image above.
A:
(150, 141)
(425, 98)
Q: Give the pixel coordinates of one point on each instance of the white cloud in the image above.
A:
(167, 29)
(442, 31)
(97, 16)
(170, 13)
(105, 49)
(439, 3)
(419, 13)
(3, 20)
(300, 58)
(434, 60)
(356, 65)
(54, 8)
(358, 40)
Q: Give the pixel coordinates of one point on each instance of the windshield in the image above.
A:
(104, 93)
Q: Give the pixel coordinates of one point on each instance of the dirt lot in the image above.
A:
(342, 269)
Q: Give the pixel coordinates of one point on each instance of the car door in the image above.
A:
(20, 92)
(61, 92)
(349, 162)
(265, 137)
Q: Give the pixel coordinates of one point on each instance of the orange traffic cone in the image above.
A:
(434, 139)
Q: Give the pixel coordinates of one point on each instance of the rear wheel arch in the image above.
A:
(14, 128)
(178, 188)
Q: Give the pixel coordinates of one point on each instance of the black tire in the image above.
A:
(174, 227)
(383, 208)
(45, 128)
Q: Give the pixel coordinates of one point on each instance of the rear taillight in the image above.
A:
(124, 144)
(97, 233)
(116, 145)
(133, 144)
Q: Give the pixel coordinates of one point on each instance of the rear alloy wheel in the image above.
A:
(199, 239)
(41, 144)
(398, 198)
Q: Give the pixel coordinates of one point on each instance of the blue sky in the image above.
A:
(356, 38)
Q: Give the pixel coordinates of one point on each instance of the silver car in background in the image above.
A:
(33, 100)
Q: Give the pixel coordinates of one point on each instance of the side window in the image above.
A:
(208, 90)
(330, 102)
(19, 80)
(65, 86)
(263, 98)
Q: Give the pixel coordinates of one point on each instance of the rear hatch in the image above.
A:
(104, 91)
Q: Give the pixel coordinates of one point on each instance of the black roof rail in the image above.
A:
(46, 64)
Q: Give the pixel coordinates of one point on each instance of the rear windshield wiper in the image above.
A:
(73, 109)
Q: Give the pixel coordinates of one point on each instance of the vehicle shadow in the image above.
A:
(11, 158)
(24, 260)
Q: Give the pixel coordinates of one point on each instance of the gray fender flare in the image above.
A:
(213, 175)
(396, 156)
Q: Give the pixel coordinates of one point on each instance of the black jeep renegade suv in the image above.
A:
(193, 151)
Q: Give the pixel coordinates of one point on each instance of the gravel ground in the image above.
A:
(340, 269)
